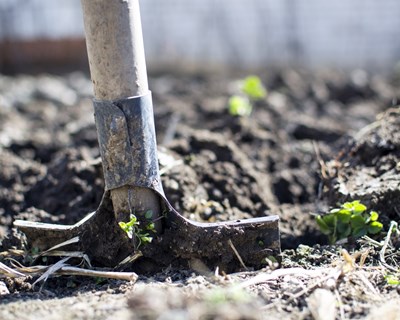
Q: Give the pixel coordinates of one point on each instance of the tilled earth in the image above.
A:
(317, 140)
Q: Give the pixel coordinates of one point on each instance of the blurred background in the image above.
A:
(48, 35)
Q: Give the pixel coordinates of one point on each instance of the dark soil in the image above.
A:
(311, 144)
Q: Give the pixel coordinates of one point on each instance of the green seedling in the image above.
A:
(254, 88)
(350, 220)
(234, 294)
(251, 89)
(132, 228)
(240, 106)
(392, 279)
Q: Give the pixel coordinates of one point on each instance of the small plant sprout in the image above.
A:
(239, 106)
(350, 220)
(254, 88)
(251, 89)
(392, 279)
(129, 226)
(226, 295)
(132, 228)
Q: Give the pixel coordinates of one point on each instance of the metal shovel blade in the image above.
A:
(229, 245)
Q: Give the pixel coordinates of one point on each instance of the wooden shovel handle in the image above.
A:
(115, 48)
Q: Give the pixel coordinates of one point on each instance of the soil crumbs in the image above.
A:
(317, 140)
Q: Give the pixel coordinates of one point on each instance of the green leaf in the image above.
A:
(355, 206)
(150, 226)
(358, 207)
(330, 220)
(359, 232)
(344, 211)
(253, 88)
(357, 221)
(343, 230)
(149, 215)
(344, 215)
(347, 205)
(373, 216)
(332, 238)
(123, 226)
(132, 222)
(239, 106)
(325, 229)
(351, 219)
(392, 280)
(146, 239)
(374, 227)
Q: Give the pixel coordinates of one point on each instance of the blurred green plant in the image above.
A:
(239, 106)
(254, 88)
(392, 279)
(233, 294)
(251, 90)
(351, 219)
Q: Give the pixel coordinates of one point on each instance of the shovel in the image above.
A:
(133, 196)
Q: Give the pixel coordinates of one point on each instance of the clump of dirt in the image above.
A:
(302, 149)
(368, 168)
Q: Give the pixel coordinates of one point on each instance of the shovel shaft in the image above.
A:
(115, 48)
(118, 70)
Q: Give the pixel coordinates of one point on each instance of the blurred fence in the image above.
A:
(209, 33)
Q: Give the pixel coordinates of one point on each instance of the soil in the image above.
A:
(317, 140)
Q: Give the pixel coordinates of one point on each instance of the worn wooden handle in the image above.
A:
(114, 43)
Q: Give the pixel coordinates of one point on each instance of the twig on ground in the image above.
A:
(74, 271)
(12, 252)
(330, 280)
(371, 241)
(322, 164)
(51, 270)
(276, 274)
(9, 272)
(130, 259)
(333, 275)
(340, 304)
(60, 268)
(382, 253)
(363, 257)
(60, 245)
(71, 254)
(237, 254)
(367, 283)
(367, 129)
